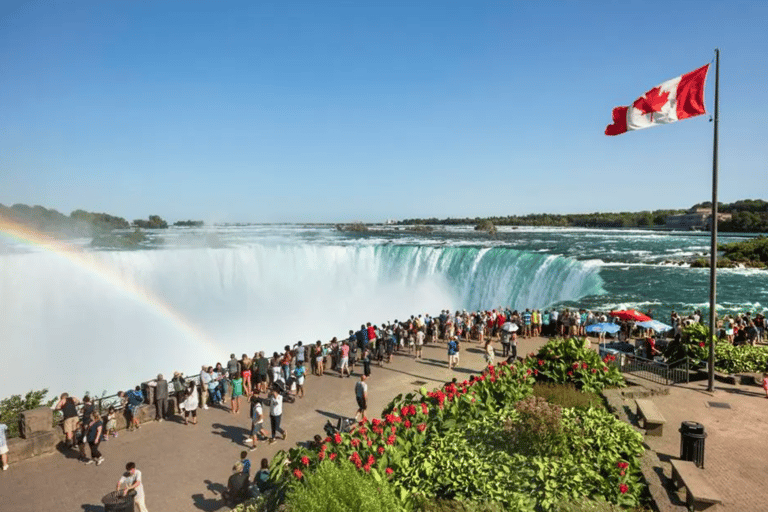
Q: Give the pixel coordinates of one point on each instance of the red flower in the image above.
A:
(327, 439)
(422, 427)
(367, 468)
(594, 370)
(541, 362)
(391, 439)
(575, 366)
(337, 438)
(621, 473)
(371, 460)
(321, 456)
(355, 443)
(535, 371)
(380, 449)
(388, 471)
(424, 408)
(701, 344)
(623, 488)
(584, 365)
(297, 473)
(370, 442)
(528, 371)
(332, 456)
(407, 424)
(305, 460)
(605, 369)
(570, 373)
(394, 429)
(622, 465)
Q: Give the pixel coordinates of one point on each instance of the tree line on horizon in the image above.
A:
(748, 216)
(80, 223)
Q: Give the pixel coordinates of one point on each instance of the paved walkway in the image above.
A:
(736, 451)
(186, 467)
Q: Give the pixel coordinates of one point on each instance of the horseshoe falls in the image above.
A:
(68, 327)
(103, 320)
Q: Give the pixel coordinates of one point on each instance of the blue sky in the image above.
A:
(341, 111)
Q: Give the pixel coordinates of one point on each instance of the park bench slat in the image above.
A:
(653, 419)
(700, 493)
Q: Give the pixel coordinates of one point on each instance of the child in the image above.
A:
(237, 392)
(246, 463)
(299, 373)
(765, 384)
(111, 423)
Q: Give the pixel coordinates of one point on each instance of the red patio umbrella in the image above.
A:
(630, 314)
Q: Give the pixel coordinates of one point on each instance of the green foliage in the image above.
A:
(536, 428)
(487, 226)
(130, 240)
(438, 505)
(571, 361)
(488, 441)
(11, 408)
(355, 227)
(752, 252)
(728, 358)
(79, 222)
(598, 505)
(741, 359)
(341, 487)
(566, 395)
(154, 222)
(692, 344)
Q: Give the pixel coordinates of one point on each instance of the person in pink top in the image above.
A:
(344, 365)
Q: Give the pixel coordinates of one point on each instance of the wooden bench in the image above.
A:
(653, 421)
(699, 493)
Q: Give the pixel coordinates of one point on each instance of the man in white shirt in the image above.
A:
(132, 481)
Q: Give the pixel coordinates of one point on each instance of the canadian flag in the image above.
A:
(675, 99)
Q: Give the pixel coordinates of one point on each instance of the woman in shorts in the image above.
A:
(319, 358)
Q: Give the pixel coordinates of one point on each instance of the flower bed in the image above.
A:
(477, 441)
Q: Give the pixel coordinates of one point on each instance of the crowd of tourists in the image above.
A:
(259, 381)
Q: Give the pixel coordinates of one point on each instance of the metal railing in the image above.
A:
(659, 372)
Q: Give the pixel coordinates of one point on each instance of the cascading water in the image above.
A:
(66, 329)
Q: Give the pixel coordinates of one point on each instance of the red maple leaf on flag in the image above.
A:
(651, 102)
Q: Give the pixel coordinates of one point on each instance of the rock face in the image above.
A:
(36, 420)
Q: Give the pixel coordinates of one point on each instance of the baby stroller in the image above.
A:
(342, 425)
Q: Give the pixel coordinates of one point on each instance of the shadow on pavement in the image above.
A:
(210, 504)
(92, 508)
(234, 433)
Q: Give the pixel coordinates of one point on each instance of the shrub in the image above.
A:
(425, 505)
(692, 344)
(566, 395)
(339, 487)
(11, 408)
(741, 359)
(569, 361)
(536, 429)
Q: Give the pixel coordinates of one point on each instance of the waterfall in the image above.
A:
(70, 330)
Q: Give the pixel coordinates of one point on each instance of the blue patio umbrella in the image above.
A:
(604, 327)
(655, 325)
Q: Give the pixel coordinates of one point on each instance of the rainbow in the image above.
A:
(79, 258)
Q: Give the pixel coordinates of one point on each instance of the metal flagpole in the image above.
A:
(713, 248)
